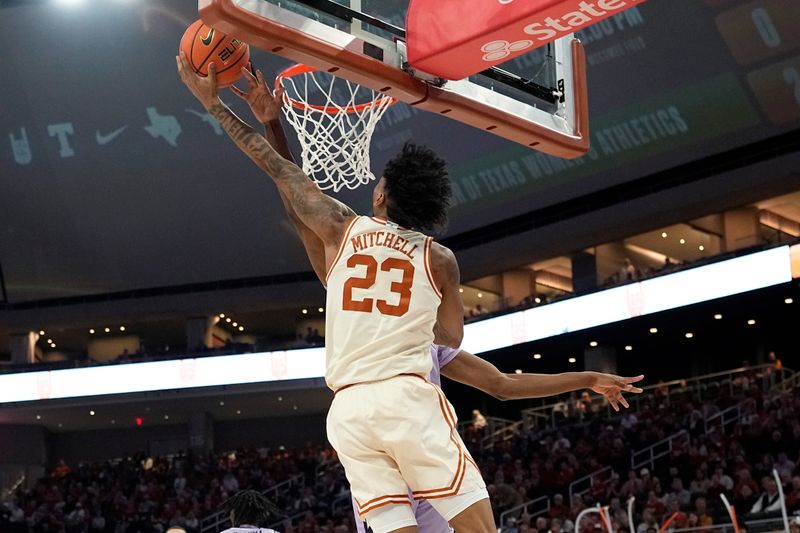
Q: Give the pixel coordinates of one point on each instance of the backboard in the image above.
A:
(538, 100)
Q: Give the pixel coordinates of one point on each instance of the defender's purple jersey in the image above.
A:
(428, 520)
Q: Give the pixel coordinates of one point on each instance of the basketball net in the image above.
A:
(334, 136)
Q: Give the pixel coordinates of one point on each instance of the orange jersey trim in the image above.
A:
(379, 498)
(463, 457)
(366, 510)
(428, 269)
(340, 389)
(342, 244)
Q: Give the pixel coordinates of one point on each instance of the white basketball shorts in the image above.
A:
(400, 434)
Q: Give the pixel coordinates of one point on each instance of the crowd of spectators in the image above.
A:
(687, 484)
(629, 272)
(141, 494)
(146, 495)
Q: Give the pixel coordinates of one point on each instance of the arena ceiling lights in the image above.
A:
(695, 285)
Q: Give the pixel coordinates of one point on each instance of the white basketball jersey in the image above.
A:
(381, 306)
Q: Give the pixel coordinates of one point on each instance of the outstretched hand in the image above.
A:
(204, 88)
(612, 387)
(265, 106)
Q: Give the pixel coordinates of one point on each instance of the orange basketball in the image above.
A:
(203, 44)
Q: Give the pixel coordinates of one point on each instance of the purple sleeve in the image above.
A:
(359, 522)
(446, 354)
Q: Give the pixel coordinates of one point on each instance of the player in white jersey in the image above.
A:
(391, 293)
(471, 370)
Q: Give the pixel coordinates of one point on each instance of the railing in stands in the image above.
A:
(485, 437)
(731, 415)
(662, 448)
(8, 487)
(341, 502)
(537, 506)
(503, 434)
(551, 414)
(786, 386)
(215, 522)
(581, 486)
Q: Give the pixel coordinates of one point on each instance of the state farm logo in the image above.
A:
(576, 14)
(576, 17)
(497, 50)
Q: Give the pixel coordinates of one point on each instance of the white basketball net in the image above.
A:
(335, 133)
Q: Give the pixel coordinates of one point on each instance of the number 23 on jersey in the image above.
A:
(389, 267)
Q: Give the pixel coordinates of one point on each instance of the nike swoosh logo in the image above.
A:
(105, 139)
(208, 38)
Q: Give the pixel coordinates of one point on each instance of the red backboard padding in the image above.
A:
(455, 39)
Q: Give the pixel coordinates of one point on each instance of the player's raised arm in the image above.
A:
(449, 328)
(266, 107)
(471, 370)
(324, 215)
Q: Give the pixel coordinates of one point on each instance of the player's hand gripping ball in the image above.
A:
(203, 44)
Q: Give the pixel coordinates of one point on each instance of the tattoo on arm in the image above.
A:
(276, 136)
(304, 195)
(256, 146)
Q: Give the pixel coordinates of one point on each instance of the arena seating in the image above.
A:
(147, 494)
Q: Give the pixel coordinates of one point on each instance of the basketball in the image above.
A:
(203, 44)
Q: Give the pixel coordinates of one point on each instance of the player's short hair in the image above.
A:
(252, 508)
(418, 188)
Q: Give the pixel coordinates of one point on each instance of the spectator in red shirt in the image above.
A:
(558, 509)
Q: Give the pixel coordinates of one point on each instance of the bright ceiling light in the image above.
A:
(751, 322)
(91, 331)
(788, 301)
(122, 328)
(653, 330)
(689, 335)
(572, 360)
(718, 317)
(593, 344)
(241, 328)
(41, 332)
(628, 348)
(682, 241)
(701, 247)
(305, 311)
(108, 330)
(537, 356)
(664, 235)
(518, 371)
